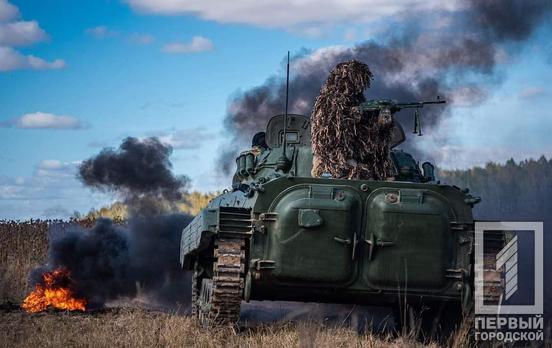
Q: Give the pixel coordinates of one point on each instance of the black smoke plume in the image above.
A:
(139, 259)
(111, 262)
(416, 61)
(139, 171)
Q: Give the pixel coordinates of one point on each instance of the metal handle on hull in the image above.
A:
(373, 242)
(343, 241)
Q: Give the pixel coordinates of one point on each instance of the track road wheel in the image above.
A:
(220, 297)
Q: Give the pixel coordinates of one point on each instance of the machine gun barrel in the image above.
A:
(417, 104)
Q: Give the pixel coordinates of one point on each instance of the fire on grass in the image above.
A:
(55, 292)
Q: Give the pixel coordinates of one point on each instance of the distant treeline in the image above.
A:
(191, 203)
(509, 191)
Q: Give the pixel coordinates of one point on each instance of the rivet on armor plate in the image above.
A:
(392, 198)
(364, 187)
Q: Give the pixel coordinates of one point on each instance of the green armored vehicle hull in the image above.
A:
(281, 234)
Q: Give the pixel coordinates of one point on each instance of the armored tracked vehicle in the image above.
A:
(281, 234)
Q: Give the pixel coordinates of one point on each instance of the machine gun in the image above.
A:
(391, 106)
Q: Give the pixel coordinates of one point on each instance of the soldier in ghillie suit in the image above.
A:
(349, 143)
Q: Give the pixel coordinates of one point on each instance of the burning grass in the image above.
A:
(54, 291)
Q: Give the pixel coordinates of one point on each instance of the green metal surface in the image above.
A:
(330, 240)
(410, 240)
(298, 250)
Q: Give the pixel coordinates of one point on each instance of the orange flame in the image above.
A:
(55, 292)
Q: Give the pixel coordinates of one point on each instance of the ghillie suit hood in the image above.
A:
(348, 143)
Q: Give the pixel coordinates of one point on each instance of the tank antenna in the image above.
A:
(284, 163)
(286, 113)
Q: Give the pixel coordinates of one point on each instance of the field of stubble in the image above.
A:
(23, 246)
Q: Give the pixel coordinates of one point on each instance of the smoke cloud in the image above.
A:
(509, 19)
(139, 171)
(141, 258)
(111, 262)
(416, 61)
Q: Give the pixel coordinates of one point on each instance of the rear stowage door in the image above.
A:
(313, 235)
(409, 243)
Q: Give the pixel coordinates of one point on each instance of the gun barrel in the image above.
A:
(419, 104)
(435, 102)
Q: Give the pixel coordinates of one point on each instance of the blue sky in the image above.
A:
(76, 76)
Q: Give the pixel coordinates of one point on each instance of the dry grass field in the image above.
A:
(131, 327)
(23, 246)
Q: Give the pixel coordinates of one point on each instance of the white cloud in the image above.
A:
(311, 31)
(104, 32)
(285, 13)
(21, 33)
(8, 11)
(51, 191)
(41, 64)
(178, 139)
(530, 92)
(56, 168)
(324, 56)
(55, 165)
(50, 164)
(101, 32)
(198, 44)
(43, 120)
(183, 138)
(141, 39)
(11, 59)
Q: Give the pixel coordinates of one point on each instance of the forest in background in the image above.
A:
(510, 191)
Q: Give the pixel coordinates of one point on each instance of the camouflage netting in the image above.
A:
(346, 142)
